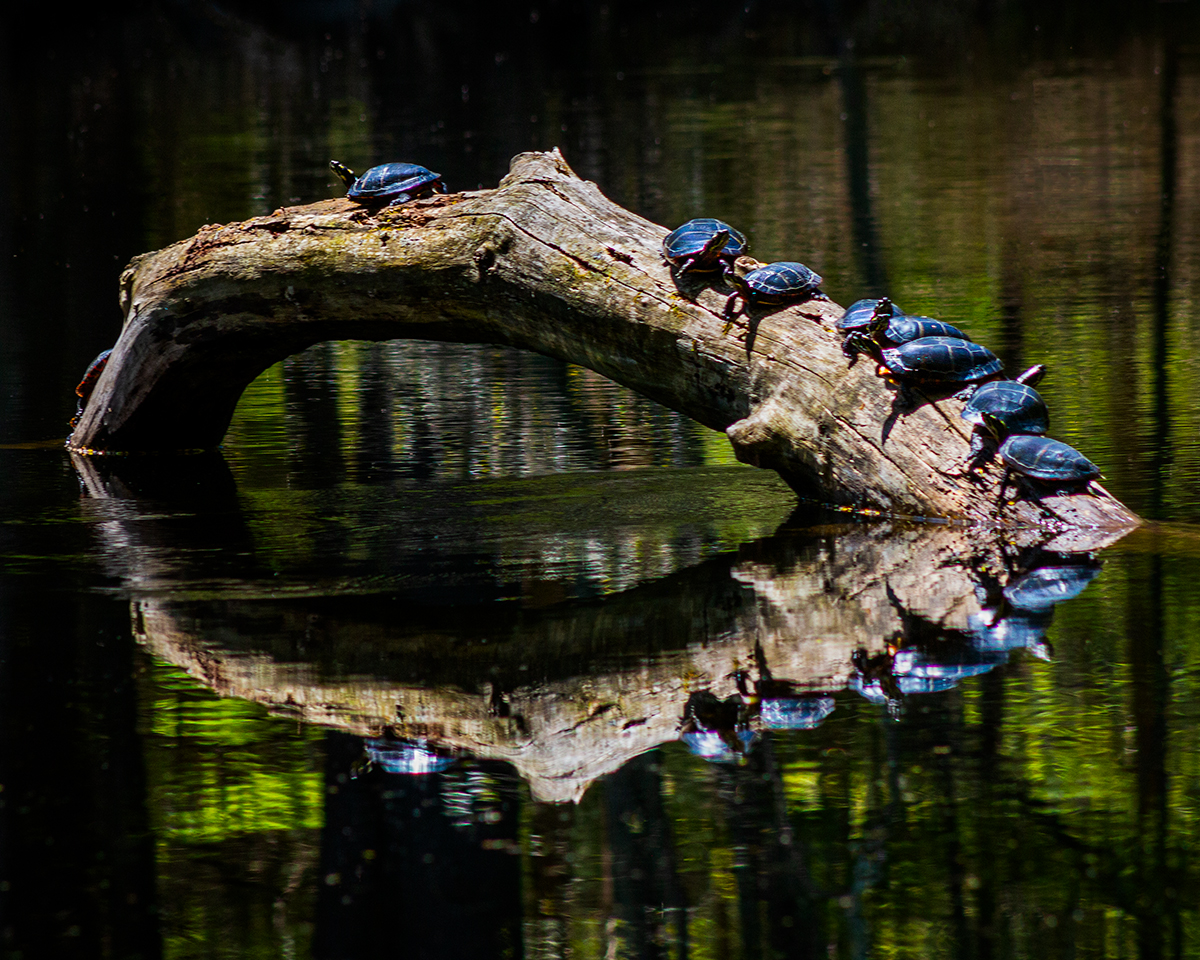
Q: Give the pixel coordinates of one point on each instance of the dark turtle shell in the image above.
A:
(887, 327)
(905, 329)
(1044, 459)
(860, 313)
(1016, 407)
(391, 182)
(406, 756)
(779, 282)
(696, 245)
(941, 360)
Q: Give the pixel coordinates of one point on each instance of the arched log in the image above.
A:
(544, 262)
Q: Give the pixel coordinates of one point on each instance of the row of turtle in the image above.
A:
(1008, 416)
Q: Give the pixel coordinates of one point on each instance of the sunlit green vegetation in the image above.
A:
(236, 803)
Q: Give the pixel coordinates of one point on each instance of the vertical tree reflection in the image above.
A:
(1147, 636)
(647, 896)
(776, 899)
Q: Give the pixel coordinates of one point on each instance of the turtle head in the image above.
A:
(715, 245)
(344, 173)
(878, 324)
(734, 280)
(1032, 376)
(994, 425)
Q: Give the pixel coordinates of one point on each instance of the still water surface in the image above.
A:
(458, 651)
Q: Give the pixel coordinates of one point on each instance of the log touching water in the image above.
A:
(547, 263)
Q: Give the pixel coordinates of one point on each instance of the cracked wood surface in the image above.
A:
(547, 263)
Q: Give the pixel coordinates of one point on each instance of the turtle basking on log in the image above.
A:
(1003, 407)
(784, 281)
(703, 245)
(390, 183)
(888, 327)
(543, 262)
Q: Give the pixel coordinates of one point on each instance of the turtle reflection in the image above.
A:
(925, 658)
(413, 757)
(723, 731)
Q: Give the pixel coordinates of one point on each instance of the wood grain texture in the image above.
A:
(547, 263)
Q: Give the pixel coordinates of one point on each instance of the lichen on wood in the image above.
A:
(547, 263)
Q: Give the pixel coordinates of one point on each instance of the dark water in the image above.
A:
(659, 710)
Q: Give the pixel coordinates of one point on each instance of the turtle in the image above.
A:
(1044, 460)
(1003, 407)
(918, 672)
(890, 329)
(935, 361)
(703, 245)
(781, 282)
(392, 183)
(88, 383)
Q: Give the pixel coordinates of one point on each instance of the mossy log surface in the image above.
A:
(547, 263)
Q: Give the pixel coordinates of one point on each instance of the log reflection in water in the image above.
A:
(569, 693)
(566, 687)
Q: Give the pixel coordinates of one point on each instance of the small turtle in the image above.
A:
(916, 671)
(935, 361)
(1003, 407)
(391, 182)
(88, 383)
(781, 282)
(889, 329)
(1045, 460)
(703, 246)
(716, 730)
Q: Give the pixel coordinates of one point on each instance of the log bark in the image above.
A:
(547, 263)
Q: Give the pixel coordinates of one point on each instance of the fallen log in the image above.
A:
(547, 263)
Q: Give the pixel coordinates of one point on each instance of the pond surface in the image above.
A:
(458, 651)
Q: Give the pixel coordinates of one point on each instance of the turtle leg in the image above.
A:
(982, 450)
(1003, 486)
(730, 311)
(401, 198)
(851, 349)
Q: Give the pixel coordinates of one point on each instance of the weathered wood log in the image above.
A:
(547, 263)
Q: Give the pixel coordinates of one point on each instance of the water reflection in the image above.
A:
(441, 647)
